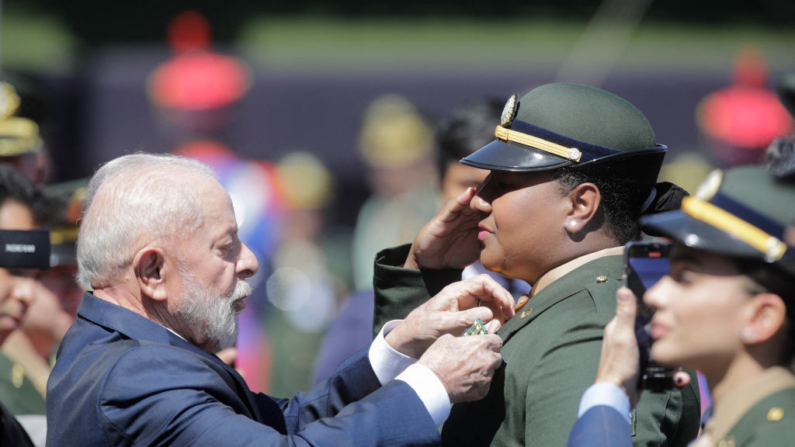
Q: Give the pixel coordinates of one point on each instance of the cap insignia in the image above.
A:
(509, 112)
(710, 186)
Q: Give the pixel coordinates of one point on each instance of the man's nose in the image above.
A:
(247, 265)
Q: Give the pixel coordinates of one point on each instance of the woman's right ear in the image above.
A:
(767, 316)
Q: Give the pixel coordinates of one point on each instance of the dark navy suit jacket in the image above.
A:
(600, 426)
(121, 379)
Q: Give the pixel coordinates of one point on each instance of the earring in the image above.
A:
(746, 334)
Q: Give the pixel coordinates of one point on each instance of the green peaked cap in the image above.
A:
(742, 212)
(571, 125)
(587, 114)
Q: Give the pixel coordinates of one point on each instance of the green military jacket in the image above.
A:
(759, 414)
(551, 351)
(17, 392)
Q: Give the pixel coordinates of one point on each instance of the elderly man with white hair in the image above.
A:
(158, 247)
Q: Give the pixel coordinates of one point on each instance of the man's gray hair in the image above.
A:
(130, 202)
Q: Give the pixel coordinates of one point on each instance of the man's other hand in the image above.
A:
(450, 239)
(452, 311)
(465, 365)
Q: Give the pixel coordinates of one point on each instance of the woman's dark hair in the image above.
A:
(769, 278)
(621, 200)
(466, 130)
(46, 210)
(780, 157)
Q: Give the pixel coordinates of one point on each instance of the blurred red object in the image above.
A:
(199, 80)
(741, 120)
(196, 79)
(189, 31)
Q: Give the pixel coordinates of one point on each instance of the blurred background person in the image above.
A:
(60, 277)
(21, 143)
(303, 290)
(32, 349)
(27, 354)
(23, 371)
(396, 144)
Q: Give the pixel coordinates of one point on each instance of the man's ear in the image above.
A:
(764, 319)
(150, 271)
(585, 200)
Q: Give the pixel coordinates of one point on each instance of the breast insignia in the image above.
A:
(775, 414)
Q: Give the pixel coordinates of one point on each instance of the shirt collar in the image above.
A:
(558, 272)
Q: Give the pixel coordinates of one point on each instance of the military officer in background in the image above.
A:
(572, 169)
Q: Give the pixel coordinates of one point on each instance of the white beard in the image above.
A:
(215, 315)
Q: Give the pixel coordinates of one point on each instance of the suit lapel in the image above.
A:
(134, 326)
(228, 373)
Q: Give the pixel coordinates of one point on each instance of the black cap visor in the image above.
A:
(514, 157)
(694, 233)
(640, 166)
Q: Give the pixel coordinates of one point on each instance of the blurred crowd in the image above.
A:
(313, 297)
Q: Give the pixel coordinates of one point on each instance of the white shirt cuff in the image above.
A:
(604, 393)
(387, 362)
(429, 388)
(390, 364)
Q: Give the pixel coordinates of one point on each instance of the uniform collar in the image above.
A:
(558, 272)
(592, 273)
(730, 409)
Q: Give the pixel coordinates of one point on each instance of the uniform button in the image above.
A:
(17, 376)
(526, 312)
(601, 278)
(775, 414)
(522, 301)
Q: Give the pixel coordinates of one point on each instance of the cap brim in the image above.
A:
(639, 166)
(505, 156)
(694, 233)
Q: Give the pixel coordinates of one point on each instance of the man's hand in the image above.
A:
(450, 239)
(452, 311)
(465, 365)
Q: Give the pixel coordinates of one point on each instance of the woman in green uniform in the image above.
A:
(727, 307)
(571, 169)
